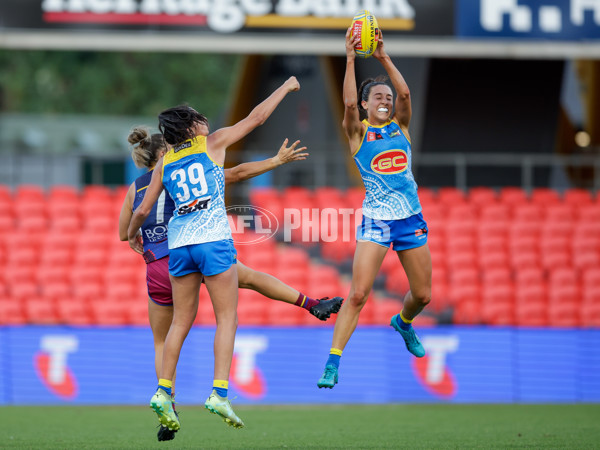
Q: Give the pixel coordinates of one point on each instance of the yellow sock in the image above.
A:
(404, 319)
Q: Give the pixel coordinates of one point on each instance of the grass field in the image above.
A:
(338, 426)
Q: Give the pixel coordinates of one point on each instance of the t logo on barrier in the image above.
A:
(51, 364)
(432, 370)
(245, 374)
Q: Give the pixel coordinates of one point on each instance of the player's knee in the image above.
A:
(422, 296)
(358, 298)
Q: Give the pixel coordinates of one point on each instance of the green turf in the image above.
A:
(340, 426)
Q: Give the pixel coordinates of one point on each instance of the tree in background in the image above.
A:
(108, 83)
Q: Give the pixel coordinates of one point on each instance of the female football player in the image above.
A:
(380, 146)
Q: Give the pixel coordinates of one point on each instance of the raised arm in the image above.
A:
(252, 169)
(352, 125)
(402, 107)
(222, 138)
(126, 213)
(143, 211)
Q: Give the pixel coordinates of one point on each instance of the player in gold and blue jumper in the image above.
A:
(380, 146)
(146, 150)
(200, 240)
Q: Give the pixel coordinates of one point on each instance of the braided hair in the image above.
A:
(176, 123)
(145, 147)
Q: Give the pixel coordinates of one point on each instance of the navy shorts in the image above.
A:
(403, 234)
(209, 258)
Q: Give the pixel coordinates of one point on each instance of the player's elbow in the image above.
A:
(123, 235)
(404, 95)
(232, 176)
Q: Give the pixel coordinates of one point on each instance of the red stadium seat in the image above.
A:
(590, 315)
(460, 242)
(451, 196)
(460, 275)
(531, 313)
(108, 313)
(88, 290)
(252, 308)
(591, 277)
(564, 314)
(495, 212)
(96, 193)
(397, 282)
(545, 196)
(461, 211)
(23, 289)
(496, 276)
(586, 258)
(589, 213)
(482, 196)
(559, 212)
(464, 292)
(137, 313)
(384, 310)
(39, 310)
(513, 196)
(11, 311)
(527, 212)
(491, 260)
(55, 290)
(526, 259)
(284, 314)
(560, 276)
(355, 197)
(529, 275)
(575, 196)
(29, 193)
(561, 293)
(206, 314)
(492, 243)
(63, 192)
(467, 312)
(72, 311)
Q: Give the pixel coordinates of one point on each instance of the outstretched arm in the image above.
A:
(218, 141)
(143, 211)
(352, 125)
(402, 107)
(252, 169)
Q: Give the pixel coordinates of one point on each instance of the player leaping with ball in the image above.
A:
(380, 146)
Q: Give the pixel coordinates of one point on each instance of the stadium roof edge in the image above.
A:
(313, 44)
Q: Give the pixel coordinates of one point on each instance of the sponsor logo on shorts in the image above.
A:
(421, 232)
(390, 162)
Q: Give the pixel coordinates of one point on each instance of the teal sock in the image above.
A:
(333, 360)
(166, 389)
(221, 392)
(402, 324)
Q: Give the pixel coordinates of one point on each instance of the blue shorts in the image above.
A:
(403, 234)
(210, 258)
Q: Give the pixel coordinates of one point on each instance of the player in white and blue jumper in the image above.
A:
(200, 240)
(147, 149)
(380, 146)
